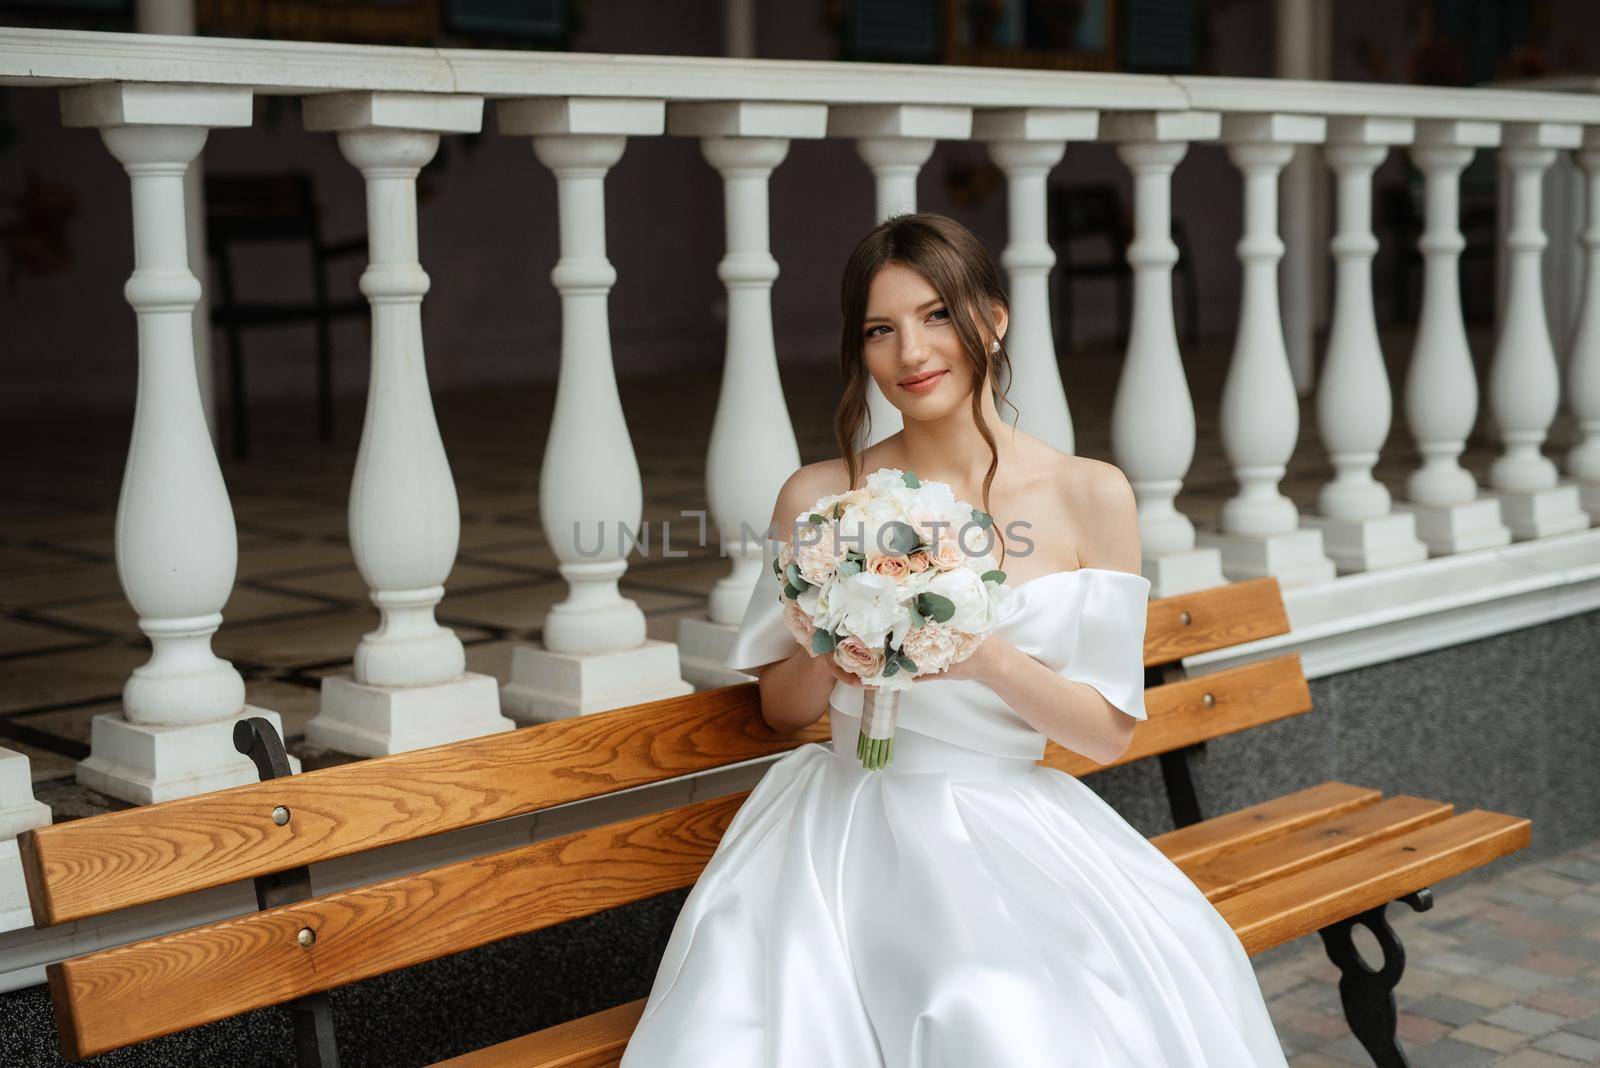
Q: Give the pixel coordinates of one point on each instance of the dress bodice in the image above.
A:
(1086, 624)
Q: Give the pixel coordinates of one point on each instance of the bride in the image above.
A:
(965, 907)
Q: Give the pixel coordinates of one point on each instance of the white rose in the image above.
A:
(867, 606)
(975, 611)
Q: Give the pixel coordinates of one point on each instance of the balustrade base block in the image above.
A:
(1293, 557)
(1589, 496)
(364, 720)
(547, 686)
(1372, 544)
(1541, 513)
(145, 763)
(1459, 528)
(1184, 572)
(14, 911)
(703, 646)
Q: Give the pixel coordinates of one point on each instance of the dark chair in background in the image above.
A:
(1097, 212)
(256, 209)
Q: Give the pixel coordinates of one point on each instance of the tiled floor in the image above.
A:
(1504, 969)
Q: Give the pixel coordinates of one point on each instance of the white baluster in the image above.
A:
(1524, 381)
(1153, 392)
(176, 546)
(1260, 531)
(409, 687)
(1027, 143)
(894, 140)
(1583, 361)
(1441, 395)
(595, 654)
(18, 812)
(753, 447)
(1361, 531)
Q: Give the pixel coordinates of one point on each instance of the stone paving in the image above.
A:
(1503, 970)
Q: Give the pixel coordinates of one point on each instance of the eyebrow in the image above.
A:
(920, 308)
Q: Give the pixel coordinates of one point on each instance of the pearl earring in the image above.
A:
(994, 346)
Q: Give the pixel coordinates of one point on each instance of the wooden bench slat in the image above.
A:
(1238, 870)
(1288, 908)
(1219, 617)
(131, 993)
(1202, 841)
(120, 859)
(594, 1041)
(1249, 695)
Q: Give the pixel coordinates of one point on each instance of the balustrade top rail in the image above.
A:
(67, 57)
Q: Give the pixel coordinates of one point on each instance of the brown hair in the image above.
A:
(960, 269)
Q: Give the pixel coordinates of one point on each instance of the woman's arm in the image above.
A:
(795, 690)
(1072, 714)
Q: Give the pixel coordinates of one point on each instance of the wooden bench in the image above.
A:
(1324, 859)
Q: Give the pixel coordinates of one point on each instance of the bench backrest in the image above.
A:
(105, 863)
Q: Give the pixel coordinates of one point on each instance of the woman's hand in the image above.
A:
(849, 678)
(979, 667)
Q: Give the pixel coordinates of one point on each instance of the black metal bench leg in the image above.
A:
(315, 1046)
(1367, 992)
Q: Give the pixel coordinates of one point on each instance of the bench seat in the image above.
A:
(1275, 871)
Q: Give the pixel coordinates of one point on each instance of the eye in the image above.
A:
(939, 313)
(872, 331)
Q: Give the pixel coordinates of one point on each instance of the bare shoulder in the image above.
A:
(1099, 495)
(802, 489)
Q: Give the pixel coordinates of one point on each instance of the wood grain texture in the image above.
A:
(595, 1041)
(1244, 868)
(1217, 618)
(1285, 909)
(1249, 695)
(1201, 842)
(114, 861)
(173, 982)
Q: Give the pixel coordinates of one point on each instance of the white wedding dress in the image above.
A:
(965, 907)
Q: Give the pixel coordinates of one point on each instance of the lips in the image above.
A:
(924, 383)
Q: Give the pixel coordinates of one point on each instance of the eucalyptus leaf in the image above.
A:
(792, 573)
(906, 662)
(791, 593)
(982, 518)
(994, 576)
(849, 567)
(902, 537)
(910, 479)
(918, 620)
(817, 520)
(891, 668)
(936, 606)
(822, 641)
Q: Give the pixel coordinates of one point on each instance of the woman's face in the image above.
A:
(911, 346)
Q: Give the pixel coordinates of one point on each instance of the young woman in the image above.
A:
(965, 907)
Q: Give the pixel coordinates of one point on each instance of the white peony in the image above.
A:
(975, 608)
(867, 606)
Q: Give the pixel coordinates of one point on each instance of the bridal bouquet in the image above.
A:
(879, 579)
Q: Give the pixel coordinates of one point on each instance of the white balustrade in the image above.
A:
(595, 653)
(18, 812)
(753, 448)
(1361, 531)
(1027, 143)
(176, 546)
(1152, 417)
(409, 687)
(1583, 359)
(1524, 381)
(1260, 531)
(894, 140)
(1441, 383)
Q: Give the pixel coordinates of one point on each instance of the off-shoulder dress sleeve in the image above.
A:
(762, 636)
(1109, 651)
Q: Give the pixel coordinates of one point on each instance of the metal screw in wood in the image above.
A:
(307, 938)
(280, 815)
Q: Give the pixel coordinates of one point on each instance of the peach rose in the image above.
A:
(894, 567)
(799, 624)
(947, 554)
(854, 655)
(918, 562)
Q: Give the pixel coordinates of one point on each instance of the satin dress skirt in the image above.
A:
(955, 910)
